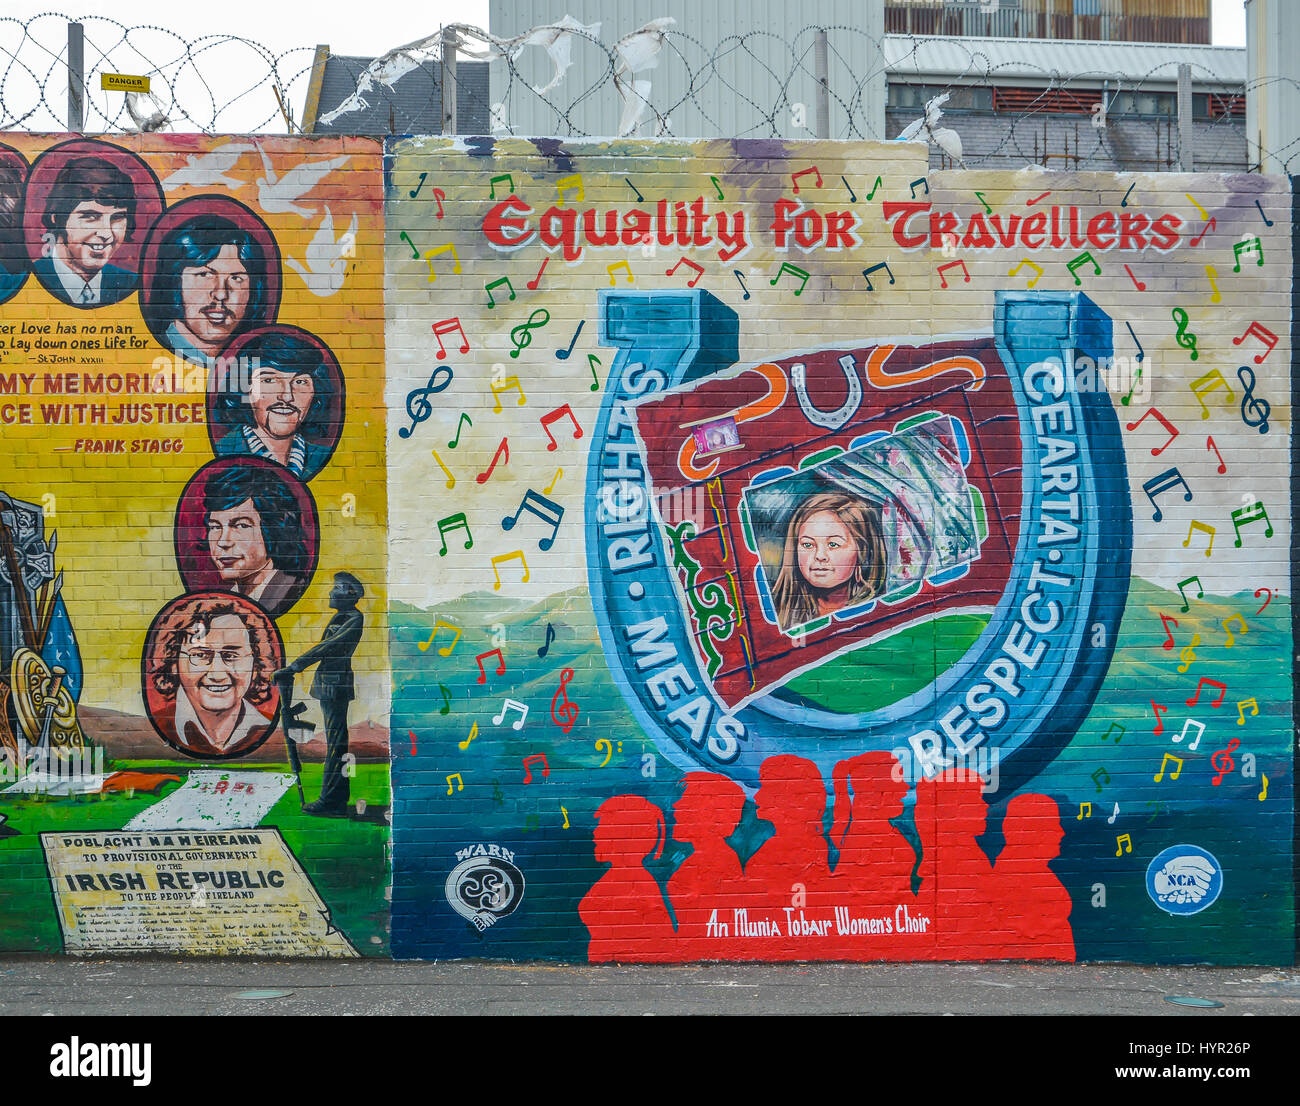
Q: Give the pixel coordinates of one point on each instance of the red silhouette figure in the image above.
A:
(707, 884)
(950, 814)
(624, 911)
(876, 861)
(792, 796)
(1034, 904)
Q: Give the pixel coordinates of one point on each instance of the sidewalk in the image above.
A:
(67, 986)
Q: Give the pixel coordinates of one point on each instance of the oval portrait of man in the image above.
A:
(210, 272)
(246, 526)
(279, 396)
(207, 675)
(88, 207)
(14, 262)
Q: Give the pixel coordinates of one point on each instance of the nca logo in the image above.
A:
(1184, 879)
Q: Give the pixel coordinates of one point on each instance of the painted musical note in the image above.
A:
(1113, 815)
(522, 335)
(1200, 593)
(1263, 794)
(1138, 284)
(1196, 525)
(872, 194)
(639, 198)
(482, 671)
(1250, 246)
(1141, 352)
(1123, 844)
(566, 815)
(1211, 273)
(1223, 690)
(506, 708)
(1266, 337)
(407, 239)
(1165, 620)
(803, 173)
(418, 406)
(1162, 482)
(532, 284)
(439, 624)
(510, 383)
(867, 273)
(1269, 593)
(1082, 815)
(1244, 516)
(1222, 761)
(1258, 408)
(438, 196)
(987, 209)
(447, 326)
(1096, 778)
(786, 267)
(546, 645)
(551, 486)
(1127, 398)
(450, 523)
(1183, 336)
(564, 713)
(559, 413)
(1038, 271)
(547, 510)
(518, 554)
(564, 184)
(435, 252)
(919, 180)
(1160, 709)
(497, 284)
(609, 750)
(1170, 429)
(563, 354)
(451, 480)
(943, 281)
(593, 363)
(1209, 444)
(853, 198)
(1203, 385)
(502, 454)
(1187, 727)
(1113, 727)
(740, 277)
(1124, 201)
(510, 182)
(1084, 258)
(473, 733)
(1227, 629)
(718, 189)
(1209, 226)
(460, 783)
(1241, 710)
(1030, 203)
(446, 699)
(1267, 221)
(460, 425)
(1192, 200)
(1169, 759)
(1188, 653)
(619, 265)
(699, 271)
(536, 758)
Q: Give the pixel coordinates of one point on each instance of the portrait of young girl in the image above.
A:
(833, 557)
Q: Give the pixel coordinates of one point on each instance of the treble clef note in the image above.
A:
(522, 336)
(1258, 408)
(418, 406)
(563, 712)
(1223, 762)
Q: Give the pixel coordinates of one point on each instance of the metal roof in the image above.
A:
(1004, 60)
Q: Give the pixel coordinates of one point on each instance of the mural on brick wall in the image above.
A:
(193, 644)
(799, 553)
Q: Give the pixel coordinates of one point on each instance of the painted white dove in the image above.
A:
(280, 193)
(208, 169)
(949, 141)
(327, 260)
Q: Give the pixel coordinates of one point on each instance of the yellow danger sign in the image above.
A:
(123, 82)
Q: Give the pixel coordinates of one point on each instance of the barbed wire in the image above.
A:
(567, 81)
